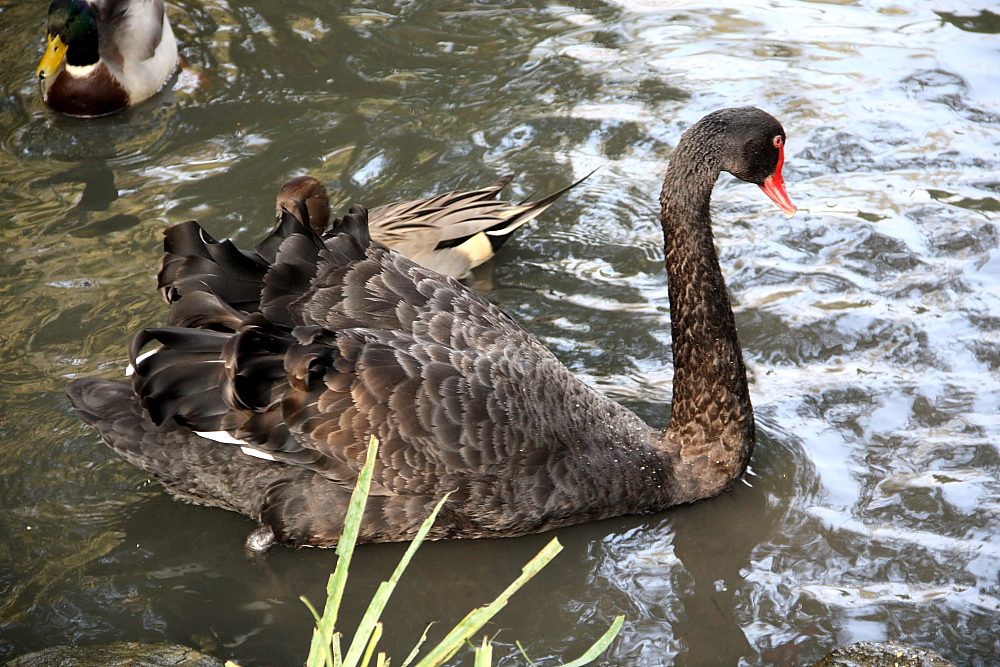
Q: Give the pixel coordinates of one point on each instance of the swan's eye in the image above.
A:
(778, 141)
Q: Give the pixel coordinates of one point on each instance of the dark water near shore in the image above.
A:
(870, 321)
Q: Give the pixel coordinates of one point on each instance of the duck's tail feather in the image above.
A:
(524, 213)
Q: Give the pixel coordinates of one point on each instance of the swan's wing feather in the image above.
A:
(373, 343)
(205, 310)
(312, 396)
(196, 262)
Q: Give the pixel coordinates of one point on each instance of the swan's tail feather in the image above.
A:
(192, 468)
(204, 310)
(196, 262)
(235, 383)
(270, 280)
(299, 505)
(291, 268)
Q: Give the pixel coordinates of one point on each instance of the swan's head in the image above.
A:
(754, 151)
(309, 191)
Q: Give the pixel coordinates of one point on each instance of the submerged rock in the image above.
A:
(117, 654)
(883, 654)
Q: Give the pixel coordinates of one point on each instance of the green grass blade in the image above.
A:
(600, 645)
(319, 651)
(524, 653)
(484, 655)
(319, 648)
(372, 644)
(323, 633)
(477, 618)
(385, 589)
(325, 649)
(416, 649)
(311, 608)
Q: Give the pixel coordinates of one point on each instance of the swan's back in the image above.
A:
(297, 352)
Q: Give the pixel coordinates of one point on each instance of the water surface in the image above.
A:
(870, 321)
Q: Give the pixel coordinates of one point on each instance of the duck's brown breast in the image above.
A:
(96, 94)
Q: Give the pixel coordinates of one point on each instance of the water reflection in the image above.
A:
(99, 192)
(870, 321)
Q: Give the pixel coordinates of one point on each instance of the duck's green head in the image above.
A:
(72, 37)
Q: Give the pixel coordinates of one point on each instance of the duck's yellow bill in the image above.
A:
(55, 56)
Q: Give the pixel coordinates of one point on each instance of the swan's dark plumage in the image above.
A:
(300, 350)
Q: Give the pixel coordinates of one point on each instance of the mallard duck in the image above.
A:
(451, 233)
(105, 56)
(278, 366)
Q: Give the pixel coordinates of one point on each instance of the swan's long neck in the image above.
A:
(711, 432)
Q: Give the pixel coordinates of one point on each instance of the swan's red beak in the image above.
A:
(774, 187)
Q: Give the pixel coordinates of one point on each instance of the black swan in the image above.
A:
(451, 233)
(276, 367)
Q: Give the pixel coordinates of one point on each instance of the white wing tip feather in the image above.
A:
(224, 437)
(130, 371)
(256, 453)
(220, 436)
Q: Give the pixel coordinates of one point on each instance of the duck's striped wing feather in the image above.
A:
(133, 28)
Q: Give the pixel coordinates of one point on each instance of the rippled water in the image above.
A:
(870, 321)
